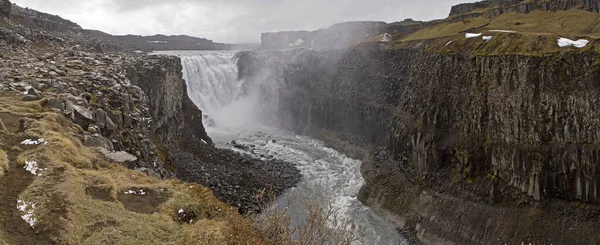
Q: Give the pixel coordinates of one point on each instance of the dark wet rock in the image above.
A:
(234, 178)
(30, 98)
(33, 92)
(208, 121)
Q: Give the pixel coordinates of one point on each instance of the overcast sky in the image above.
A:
(232, 20)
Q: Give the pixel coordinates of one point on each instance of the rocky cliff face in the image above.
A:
(337, 36)
(171, 109)
(5, 8)
(494, 8)
(484, 129)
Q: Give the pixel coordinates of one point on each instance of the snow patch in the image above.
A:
(448, 43)
(507, 31)
(565, 42)
(180, 211)
(487, 38)
(157, 41)
(133, 192)
(27, 209)
(34, 168)
(472, 35)
(34, 142)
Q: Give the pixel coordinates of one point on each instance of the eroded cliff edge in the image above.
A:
(464, 149)
(186, 150)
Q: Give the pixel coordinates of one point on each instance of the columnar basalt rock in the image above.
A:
(488, 129)
(494, 8)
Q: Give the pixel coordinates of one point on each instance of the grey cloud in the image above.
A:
(232, 20)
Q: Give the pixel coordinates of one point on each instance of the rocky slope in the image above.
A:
(470, 143)
(35, 20)
(109, 123)
(494, 8)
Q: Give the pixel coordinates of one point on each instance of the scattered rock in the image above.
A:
(119, 156)
(97, 140)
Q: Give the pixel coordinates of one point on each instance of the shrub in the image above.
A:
(320, 226)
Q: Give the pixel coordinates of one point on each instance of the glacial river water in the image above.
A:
(233, 106)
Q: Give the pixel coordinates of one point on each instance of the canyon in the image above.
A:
(461, 139)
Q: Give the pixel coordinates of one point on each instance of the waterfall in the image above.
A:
(226, 101)
(245, 111)
(211, 79)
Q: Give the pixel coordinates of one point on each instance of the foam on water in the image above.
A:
(238, 111)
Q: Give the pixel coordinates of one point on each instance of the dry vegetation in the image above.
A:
(3, 163)
(537, 33)
(80, 196)
(320, 226)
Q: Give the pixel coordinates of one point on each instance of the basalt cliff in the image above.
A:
(476, 129)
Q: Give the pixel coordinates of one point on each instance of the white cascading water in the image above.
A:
(240, 114)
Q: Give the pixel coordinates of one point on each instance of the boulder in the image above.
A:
(97, 140)
(79, 115)
(56, 104)
(30, 98)
(120, 157)
(33, 92)
(99, 118)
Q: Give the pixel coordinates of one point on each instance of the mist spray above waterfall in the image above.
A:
(227, 101)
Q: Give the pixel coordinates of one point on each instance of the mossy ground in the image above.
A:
(80, 196)
(536, 33)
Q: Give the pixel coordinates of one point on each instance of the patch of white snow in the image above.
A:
(487, 38)
(133, 192)
(34, 142)
(180, 211)
(565, 42)
(471, 35)
(27, 209)
(448, 43)
(33, 168)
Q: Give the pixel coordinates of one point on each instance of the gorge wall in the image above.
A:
(482, 135)
(495, 8)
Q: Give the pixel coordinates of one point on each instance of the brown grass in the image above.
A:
(69, 214)
(3, 162)
(537, 33)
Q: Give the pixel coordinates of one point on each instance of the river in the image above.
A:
(235, 111)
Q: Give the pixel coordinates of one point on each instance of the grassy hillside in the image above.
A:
(532, 34)
(76, 196)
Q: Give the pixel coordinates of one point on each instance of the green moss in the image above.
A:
(94, 98)
(163, 153)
